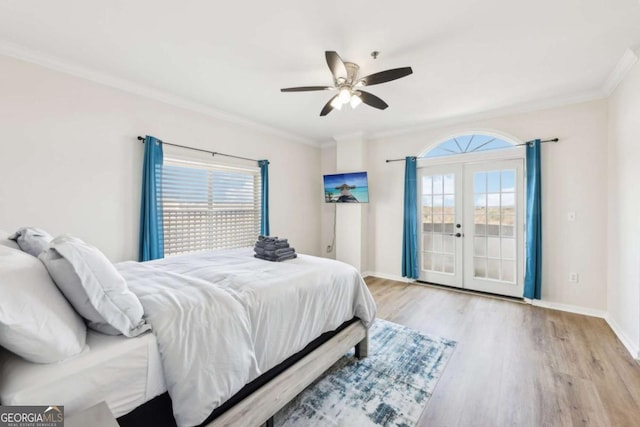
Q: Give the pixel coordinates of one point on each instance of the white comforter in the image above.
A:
(223, 318)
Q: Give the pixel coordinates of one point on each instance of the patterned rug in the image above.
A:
(390, 387)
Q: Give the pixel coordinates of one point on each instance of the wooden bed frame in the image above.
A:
(259, 407)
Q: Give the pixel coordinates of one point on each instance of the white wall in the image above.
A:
(624, 211)
(70, 163)
(574, 178)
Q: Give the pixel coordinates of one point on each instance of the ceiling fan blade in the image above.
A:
(372, 100)
(327, 108)
(305, 88)
(335, 63)
(386, 76)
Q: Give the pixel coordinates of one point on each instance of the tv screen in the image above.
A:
(346, 188)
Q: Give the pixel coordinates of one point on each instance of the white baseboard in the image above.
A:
(631, 346)
(568, 308)
(388, 276)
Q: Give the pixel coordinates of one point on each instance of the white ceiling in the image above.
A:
(468, 56)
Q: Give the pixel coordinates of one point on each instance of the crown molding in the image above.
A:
(349, 137)
(620, 71)
(76, 70)
(328, 144)
(492, 114)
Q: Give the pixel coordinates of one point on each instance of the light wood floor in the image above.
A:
(515, 364)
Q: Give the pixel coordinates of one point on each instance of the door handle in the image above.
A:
(456, 234)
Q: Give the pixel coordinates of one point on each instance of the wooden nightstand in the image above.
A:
(96, 416)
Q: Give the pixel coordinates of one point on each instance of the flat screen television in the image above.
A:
(346, 188)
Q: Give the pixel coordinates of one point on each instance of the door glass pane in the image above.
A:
(448, 226)
(426, 185)
(493, 182)
(493, 269)
(437, 242)
(427, 242)
(437, 205)
(426, 261)
(508, 248)
(480, 246)
(493, 247)
(437, 262)
(437, 184)
(508, 227)
(448, 244)
(449, 263)
(480, 182)
(480, 267)
(508, 202)
(449, 184)
(509, 271)
(508, 183)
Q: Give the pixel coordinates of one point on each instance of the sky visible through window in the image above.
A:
(468, 144)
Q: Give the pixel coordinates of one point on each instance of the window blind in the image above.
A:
(208, 206)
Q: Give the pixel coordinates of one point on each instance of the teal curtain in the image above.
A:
(264, 209)
(151, 235)
(533, 270)
(410, 229)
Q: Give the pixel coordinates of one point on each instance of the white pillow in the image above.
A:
(32, 240)
(36, 321)
(5, 241)
(94, 287)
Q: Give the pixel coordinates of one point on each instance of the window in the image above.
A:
(468, 144)
(208, 206)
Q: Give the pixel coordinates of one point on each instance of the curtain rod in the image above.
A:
(516, 145)
(213, 153)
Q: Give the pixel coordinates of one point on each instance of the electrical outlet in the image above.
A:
(573, 277)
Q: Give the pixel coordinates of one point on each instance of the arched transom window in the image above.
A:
(472, 143)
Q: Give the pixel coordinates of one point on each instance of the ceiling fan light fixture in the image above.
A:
(336, 103)
(345, 95)
(355, 100)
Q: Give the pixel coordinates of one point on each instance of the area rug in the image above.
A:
(390, 387)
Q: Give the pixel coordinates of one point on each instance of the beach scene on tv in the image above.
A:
(346, 188)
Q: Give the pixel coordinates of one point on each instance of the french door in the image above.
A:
(472, 225)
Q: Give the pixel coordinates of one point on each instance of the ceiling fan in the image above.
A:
(348, 84)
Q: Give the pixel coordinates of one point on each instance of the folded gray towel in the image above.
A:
(284, 251)
(258, 250)
(287, 257)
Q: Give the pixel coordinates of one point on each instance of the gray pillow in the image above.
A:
(5, 241)
(94, 287)
(36, 321)
(32, 240)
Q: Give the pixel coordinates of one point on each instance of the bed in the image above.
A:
(124, 372)
(221, 321)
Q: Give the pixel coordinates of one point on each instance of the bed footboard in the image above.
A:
(260, 406)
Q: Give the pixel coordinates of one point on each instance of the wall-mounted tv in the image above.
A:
(346, 188)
